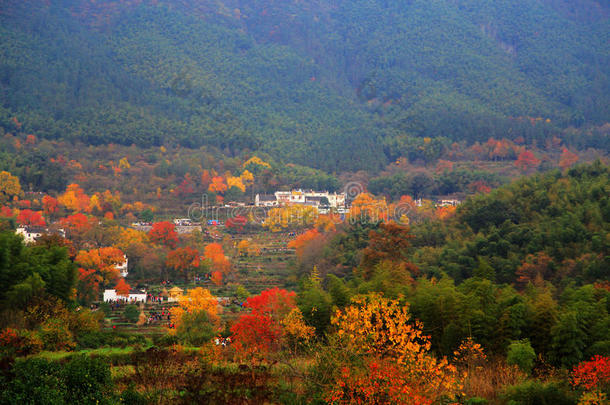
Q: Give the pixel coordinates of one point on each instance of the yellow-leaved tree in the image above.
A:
(399, 365)
(197, 299)
(290, 216)
(9, 186)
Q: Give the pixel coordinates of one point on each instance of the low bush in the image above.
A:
(533, 392)
(81, 380)
(131, 313)
(521, 354)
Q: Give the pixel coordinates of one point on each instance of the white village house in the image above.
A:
(302, 197)
(134, 295)
(32, 233)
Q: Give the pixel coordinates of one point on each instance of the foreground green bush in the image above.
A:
(521, 354)
(534, 392)
(81, 380)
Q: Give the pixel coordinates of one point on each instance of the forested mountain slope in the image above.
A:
(339, 85)
(551, 227)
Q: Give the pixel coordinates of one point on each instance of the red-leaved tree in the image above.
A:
(164, 233)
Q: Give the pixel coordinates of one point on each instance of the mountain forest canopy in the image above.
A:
(341, 85)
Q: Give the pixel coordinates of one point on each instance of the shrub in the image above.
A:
(476, 401)
(534, 392)
(31, 343)
(166, 340)
(55, 335)
(521, 354)
(87, 380)
(105, 308)
(195, 328)
(34, 381)
(132, 313)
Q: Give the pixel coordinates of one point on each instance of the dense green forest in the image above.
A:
(332, 85)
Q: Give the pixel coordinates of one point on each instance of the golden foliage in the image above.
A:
(290, 216)
(9, 186)
(197, 299)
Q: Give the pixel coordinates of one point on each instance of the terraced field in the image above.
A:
(256, 273)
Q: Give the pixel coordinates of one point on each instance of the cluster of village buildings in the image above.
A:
(322, 200)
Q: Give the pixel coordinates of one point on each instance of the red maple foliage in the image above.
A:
(31, 218)
(49, 204)
(6, 212)
(527, 160)
(259, 332)
(381, 383)
(274, 302)
(592, 374)
(76, 225)
(164, 233)
(236, 223)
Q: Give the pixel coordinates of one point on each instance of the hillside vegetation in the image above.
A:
(333, 85)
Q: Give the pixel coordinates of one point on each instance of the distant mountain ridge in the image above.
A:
(338, 85)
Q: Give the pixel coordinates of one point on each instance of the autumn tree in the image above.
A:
(216, 278)
(527, 161)
(256, 165)
(87, 289)
(365, 208)
(383, 333)
(30, 218)
(6, 212)
(196, 300)
(236, 223)
(390, 243)
(186, 187)
(104, 260)
(218, 185)
(235, 182)
(183, 261)
(273, 319)
(9, 186)
(75, 199)
(122, 288)
(49, 205)
(215, 254)
(77, 226)
(593, 377)
(535, 268)
(290, 216)
(164, 233)
(327, 223)
(302, 240)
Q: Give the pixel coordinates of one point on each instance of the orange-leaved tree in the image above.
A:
(75, 199)
(183, 261)
(164, 233)
(122, 288)
(301, 241)
(104, 261)
(215, 254)
(383, 333)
